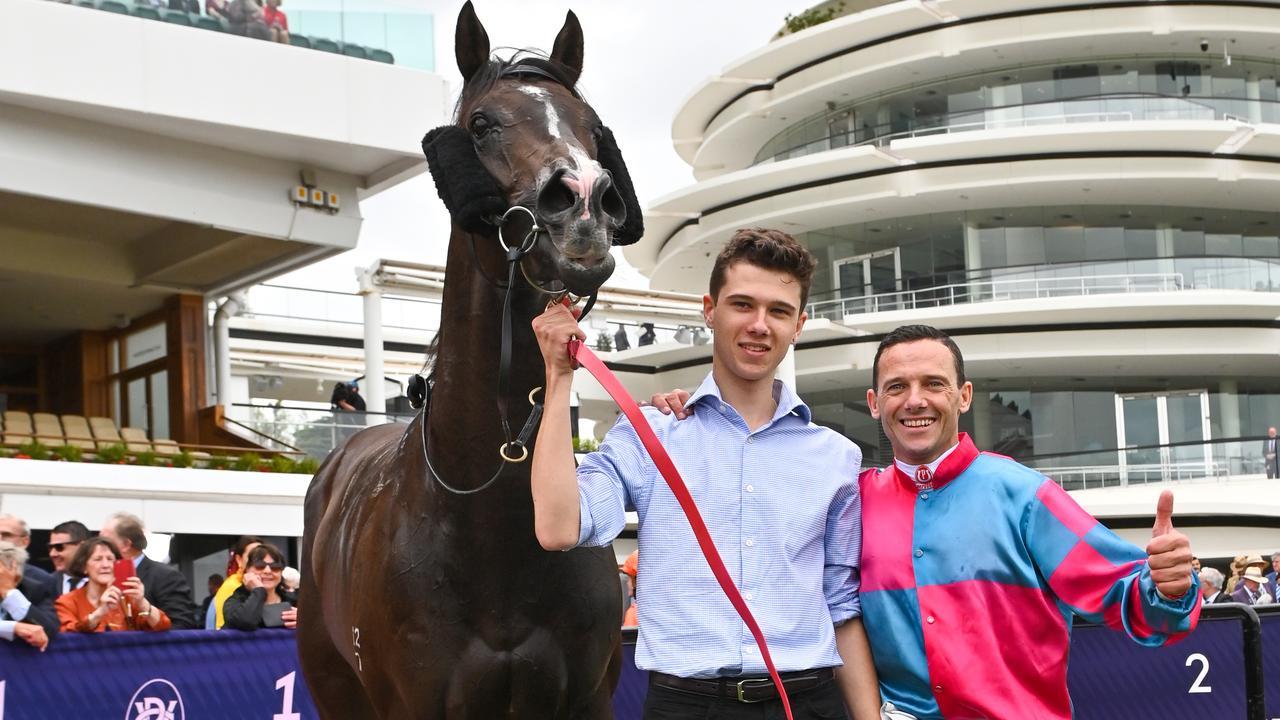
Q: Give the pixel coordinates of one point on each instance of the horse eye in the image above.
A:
(597, 133)
(479, 126)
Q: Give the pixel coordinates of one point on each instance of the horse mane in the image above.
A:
(488, 75)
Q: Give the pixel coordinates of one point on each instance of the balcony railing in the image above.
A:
(311, 430)
(993, 290)
(1213, 460)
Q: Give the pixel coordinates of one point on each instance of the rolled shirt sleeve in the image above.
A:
(609, 480)
(840, 573)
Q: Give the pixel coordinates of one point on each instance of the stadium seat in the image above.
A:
(47, 429)
(104, 431)
(146, 13)
(177, 17)
(165, 448)
(17, 427)
(87, 3)
(355, 51)
(113, 6)
(77, 432)
(208, 22)
(325, 45)
(135, 440)
(299, 40)
(382, 56)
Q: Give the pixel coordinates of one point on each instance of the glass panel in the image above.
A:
(160, 405)
(113, 358)
(852, 283)
(884, 274)
(137, 415)
(1186, 424)
(144, 346)
(116, 407)
(1141, 427)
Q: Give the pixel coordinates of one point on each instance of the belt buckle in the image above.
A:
(759, 682)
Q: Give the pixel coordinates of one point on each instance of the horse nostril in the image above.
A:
(611, 204)
(555, 198)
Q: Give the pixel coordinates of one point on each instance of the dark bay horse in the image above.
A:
(426, 594)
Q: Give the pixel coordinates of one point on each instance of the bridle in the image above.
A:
(512, 450)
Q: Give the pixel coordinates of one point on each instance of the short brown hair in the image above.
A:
(129, 527)
(768, 249)
(76, 568)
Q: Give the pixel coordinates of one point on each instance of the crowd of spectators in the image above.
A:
(1252, 581)
(105, 583)
(261, 19)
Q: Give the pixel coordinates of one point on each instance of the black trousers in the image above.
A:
(820, 703)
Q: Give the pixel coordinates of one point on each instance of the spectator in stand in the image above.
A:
(26, 610)
(190, 6)
(206, 605)
(166, 588)
(261, 602)
(245, 18)
(1271, 453)
(1250, 591)
(1237, 569)
(14, 529)
(276, 22)
(218, 9)
(236, 564)
(64, 540)
(99, 605)
(1211, 587)
(631, 567)
(290, 579)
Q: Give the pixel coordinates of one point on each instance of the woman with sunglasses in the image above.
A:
(261, 601)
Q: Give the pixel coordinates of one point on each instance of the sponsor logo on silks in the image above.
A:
(924, 477)
(157, 699)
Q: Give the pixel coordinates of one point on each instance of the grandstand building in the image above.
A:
(153, 164)
(1081, 193)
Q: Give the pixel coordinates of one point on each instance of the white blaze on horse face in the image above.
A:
(585, 170)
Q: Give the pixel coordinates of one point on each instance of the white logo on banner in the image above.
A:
(157, 699)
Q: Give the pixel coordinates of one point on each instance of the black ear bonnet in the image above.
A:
(474, 199)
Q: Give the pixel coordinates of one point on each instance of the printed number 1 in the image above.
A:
(286, 711)
(1196, 687)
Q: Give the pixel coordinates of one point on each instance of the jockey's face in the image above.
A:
(919, 400)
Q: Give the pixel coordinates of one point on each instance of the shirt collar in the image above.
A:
(138, 561)
(946, 467)
(788, 402)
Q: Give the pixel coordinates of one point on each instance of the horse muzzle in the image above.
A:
(581, 210)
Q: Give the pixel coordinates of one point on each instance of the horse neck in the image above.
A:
(466, 367)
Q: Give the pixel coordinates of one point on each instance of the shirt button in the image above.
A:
(937, 688)
(746, 596)
(751, 439)
(929, 619)
(924, 496)
(919, 552)
(751, 488)
(748, 649)
(750, 542)
(722, 407)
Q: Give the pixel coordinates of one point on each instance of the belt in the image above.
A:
(745, 689)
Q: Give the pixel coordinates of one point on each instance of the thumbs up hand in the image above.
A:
(1169, 552)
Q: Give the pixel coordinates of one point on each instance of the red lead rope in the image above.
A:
(583, 356)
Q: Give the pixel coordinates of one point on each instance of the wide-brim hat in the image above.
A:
(1255, 559)
(1254, 574)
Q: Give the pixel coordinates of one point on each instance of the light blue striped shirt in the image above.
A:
(781, 504)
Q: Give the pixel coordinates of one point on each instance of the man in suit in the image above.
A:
(26, 610)
(1211, 587)
(64, 539)
(1250, 590)
(1270, 446)
(165, 586)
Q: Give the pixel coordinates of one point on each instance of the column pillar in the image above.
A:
(981, 411)
(786, 371)
(374, 369)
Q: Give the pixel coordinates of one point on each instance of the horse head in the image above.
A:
(523, 136)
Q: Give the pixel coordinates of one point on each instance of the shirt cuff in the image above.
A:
(7, 629)
(16, 604)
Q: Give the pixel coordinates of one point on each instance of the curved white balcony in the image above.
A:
(1141, 163)
(726, 121)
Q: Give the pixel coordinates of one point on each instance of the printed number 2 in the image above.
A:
(1196, 687)
(286, 711)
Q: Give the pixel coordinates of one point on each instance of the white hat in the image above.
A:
(1254, 574)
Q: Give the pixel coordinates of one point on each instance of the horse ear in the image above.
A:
(470, 42)
(610, 158)
(568, 47)
(468, 190)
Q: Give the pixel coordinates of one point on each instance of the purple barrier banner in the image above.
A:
(230, 675)
(1270, 617)
(183, 675)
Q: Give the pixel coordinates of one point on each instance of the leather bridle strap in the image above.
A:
(582, 356)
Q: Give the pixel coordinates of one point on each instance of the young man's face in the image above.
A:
(919, 400)
(756, 316)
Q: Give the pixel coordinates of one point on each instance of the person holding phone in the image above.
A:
(113, 597)
(261, 601)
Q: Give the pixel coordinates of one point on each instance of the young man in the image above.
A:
(972, 565)
(778, 494)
